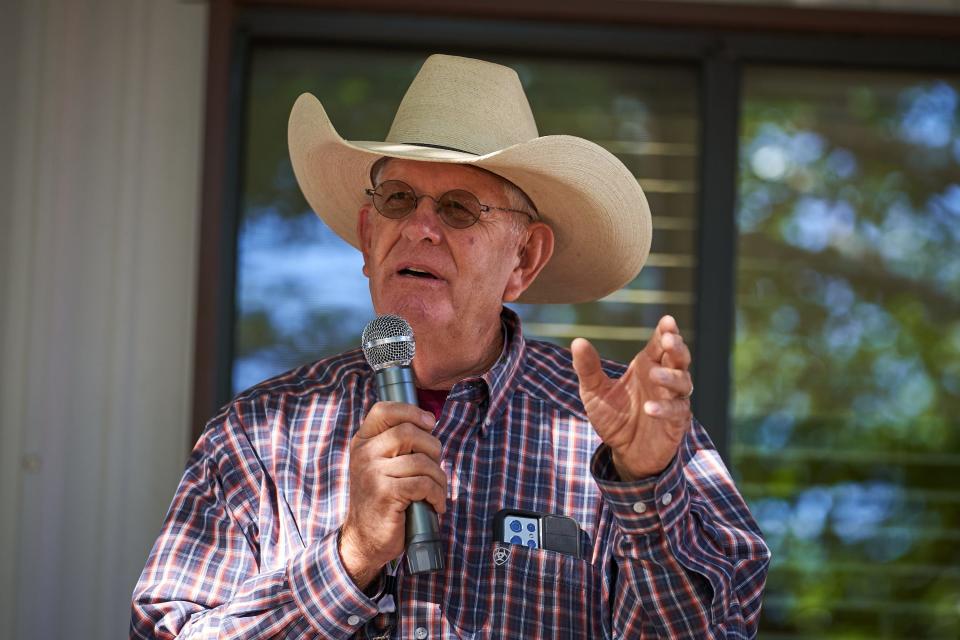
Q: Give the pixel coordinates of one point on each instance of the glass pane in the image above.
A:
(847, 349)
(646, 116)
(300, 292)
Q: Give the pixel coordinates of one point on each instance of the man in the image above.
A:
(292, 507)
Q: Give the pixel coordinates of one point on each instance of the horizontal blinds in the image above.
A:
(846, 405)
(654, 110)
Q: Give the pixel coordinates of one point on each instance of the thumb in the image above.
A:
(586, 362)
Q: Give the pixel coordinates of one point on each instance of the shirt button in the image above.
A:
(353, 621)
(639, 507)
(420, 633)
(666, 499)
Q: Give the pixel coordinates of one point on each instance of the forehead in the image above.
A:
(430, 176)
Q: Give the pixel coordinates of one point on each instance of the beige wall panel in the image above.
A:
(98, 312)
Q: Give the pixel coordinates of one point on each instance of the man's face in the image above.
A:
(437, 277)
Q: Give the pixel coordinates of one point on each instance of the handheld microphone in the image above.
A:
(388, 346)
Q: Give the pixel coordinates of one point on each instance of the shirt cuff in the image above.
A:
(326, 593)
(646, 505)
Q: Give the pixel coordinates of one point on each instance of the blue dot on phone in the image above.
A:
(515, 526)
(516, 540)
(532, 544)
(530, 527)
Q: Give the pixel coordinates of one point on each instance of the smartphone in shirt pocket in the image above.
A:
(533, 530)
(540, 586)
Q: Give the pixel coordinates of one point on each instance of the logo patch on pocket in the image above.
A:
(500, 555)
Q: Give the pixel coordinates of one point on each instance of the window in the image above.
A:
(847, 351)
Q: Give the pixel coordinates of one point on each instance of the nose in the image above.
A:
(423, 223)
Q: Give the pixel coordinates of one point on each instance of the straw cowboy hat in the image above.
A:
(465, 111)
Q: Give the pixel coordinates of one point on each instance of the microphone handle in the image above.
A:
(423, 527)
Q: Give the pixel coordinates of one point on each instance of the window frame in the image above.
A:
(718, 39)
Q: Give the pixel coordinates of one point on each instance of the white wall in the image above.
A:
(101, 114)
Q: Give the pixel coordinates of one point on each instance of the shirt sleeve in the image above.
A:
(686, 556)
(204, 577)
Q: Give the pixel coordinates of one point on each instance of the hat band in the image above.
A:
(440, 146)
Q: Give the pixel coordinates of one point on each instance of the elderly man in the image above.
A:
(291, 512)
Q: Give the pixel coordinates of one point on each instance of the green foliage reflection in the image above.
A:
(846, 386)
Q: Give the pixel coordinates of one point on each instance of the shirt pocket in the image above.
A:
(534, 593)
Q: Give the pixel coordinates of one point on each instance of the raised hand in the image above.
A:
(643, 415)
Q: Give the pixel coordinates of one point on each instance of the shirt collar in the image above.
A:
(498, 383)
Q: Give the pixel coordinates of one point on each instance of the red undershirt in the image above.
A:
(432, 400)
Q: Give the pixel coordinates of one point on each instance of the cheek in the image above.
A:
(380, 245)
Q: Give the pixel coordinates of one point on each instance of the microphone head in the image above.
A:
(387, 341)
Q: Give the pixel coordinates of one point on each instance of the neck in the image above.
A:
(441, 363)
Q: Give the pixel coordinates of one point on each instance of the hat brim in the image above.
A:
(597, 210)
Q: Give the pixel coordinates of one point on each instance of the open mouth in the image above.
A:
(417, 273)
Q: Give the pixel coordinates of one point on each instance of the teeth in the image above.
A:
(417, 272)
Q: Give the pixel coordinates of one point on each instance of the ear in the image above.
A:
(364, 234)
(533, 257)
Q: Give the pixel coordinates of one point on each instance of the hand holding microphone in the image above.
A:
(396, 483)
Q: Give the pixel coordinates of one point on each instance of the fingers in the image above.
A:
(673, 409)
(654, 348)
(418, 466)
(675, 351)
(403, 439)
(415, 464)
(668, 324)
(676, 381)
(385, 415)
(405, 452)
(666, 346)
(419, 488)
(586, 362)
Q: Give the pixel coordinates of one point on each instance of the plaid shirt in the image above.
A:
(249, 546)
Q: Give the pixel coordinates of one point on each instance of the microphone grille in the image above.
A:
(387, 341)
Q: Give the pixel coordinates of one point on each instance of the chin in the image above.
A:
(421, 315)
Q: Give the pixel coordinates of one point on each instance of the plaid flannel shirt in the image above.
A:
(249, 546)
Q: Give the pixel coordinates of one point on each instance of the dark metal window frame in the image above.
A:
(717, 39)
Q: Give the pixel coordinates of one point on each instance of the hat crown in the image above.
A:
(464, 104)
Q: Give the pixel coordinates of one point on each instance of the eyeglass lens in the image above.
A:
(457, 208)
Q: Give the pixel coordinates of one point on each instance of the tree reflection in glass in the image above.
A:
(847, 350)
